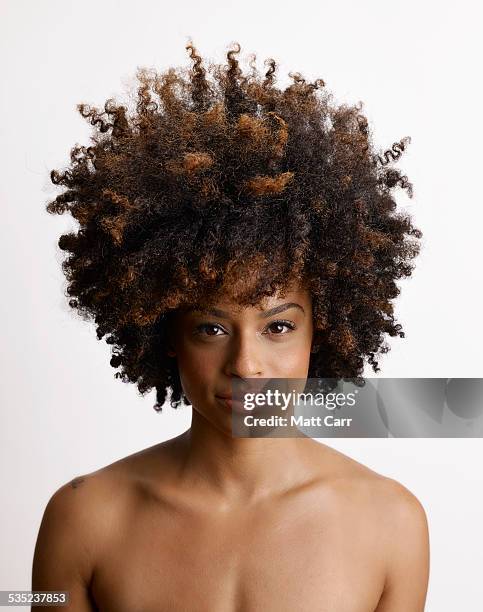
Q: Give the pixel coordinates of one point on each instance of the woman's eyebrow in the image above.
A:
(264, 315)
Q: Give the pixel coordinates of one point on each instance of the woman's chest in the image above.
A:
(284, 562)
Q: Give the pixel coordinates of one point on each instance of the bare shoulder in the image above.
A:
(74, 526)
(383, 492)
(82, 517)
(93, 499)
(87, 501)
(404, 527)
(76, 519)
(402, 520)
(397, 519)
(399, 512)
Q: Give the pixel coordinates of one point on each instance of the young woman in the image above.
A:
(231, 230)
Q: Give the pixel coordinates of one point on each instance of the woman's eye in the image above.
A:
(205, 328)
(276, 326)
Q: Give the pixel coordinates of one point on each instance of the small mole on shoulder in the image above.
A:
(76, 482)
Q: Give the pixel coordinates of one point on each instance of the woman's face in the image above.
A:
(272, 340)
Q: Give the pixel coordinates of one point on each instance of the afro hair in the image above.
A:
(217, 182)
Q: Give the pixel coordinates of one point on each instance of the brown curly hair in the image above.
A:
(220, 182)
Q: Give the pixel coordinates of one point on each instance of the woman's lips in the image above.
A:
(232, 405)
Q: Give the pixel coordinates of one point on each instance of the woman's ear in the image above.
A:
(170, 351)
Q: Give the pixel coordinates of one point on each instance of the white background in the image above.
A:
(415, 67)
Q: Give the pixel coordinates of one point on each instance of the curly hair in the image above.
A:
(219, 182)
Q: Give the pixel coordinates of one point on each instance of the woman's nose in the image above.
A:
(245, 358)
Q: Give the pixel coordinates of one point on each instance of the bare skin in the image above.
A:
(209, 522)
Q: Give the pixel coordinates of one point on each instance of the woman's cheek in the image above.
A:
(295, 362)
(200, 364)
